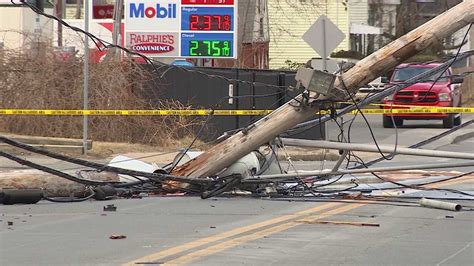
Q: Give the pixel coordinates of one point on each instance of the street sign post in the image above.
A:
(323, 36)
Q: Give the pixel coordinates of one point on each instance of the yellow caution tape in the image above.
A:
(396, 105)
(204, 112)
(431, 110)
(133, 112)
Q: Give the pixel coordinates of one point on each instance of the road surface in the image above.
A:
(245, 230)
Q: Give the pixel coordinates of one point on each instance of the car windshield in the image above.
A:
(402, 74)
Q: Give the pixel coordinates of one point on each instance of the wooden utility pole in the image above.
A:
(114, 52)
(58, 12)
(53, 186)
(287, 116)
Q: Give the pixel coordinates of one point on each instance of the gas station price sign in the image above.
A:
(200, 28)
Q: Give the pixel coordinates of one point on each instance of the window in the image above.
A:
(405, 73)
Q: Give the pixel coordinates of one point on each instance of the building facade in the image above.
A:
(290, 19)
(19, 27)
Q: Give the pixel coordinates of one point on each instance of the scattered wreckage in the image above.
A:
(237, 161)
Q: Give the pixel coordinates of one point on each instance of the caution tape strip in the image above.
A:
(204, 112)
(201, 112)
(397, 105)
(437, 110)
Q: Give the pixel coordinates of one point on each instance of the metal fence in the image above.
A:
(204, 88)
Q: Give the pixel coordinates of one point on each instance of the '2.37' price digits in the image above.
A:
(209, 48)
(210, 22)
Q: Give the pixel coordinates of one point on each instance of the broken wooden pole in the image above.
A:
(377, 149)
(287, 116)
(52, 185)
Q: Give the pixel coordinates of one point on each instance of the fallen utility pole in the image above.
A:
(287, 116)
(53, 185)
(372, 148)
(327, 172)
(419, 144)
(379, 96)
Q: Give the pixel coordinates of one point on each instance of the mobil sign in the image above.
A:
(144, 15)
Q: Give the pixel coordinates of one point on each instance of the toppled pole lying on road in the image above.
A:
(379, 96)
(281, 177)
(303, 107)
(373, 148)
(440, 204)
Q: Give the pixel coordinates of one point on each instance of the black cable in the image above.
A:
(421, 143)
(457, 54)
(150, 61)
(192, 142)
(278, 161)
(103, 167)
(447, 179)
(423, 188)
(53, 171)
(225, 185)
(379, 95)
(419, 186)
(332, 198)
(69, 199)
(337, 190)
(209, 117)
(205, 144)
(390, 157)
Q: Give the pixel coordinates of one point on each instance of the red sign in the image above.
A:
(207, 2)
(154, 43)
(103, 11)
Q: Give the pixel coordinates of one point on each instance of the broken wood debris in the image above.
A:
(110, 208)
(339, 223)
(54, 186)
(287, 116)
(118, 237)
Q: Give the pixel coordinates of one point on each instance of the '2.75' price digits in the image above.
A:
(209, 48)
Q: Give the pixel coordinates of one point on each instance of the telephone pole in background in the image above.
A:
(37, 27)
(58, 12)
(116, 33)
(86, 78)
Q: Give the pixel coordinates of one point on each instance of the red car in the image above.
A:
(445, 93)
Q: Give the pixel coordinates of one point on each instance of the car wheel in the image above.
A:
(448, 122)
(398, 121)
(388, 123)
(458, 120)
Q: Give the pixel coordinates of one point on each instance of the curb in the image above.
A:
(463, 137)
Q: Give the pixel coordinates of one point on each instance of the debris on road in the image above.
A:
(339, 223)
(437, 204)
(110, 208)
(237, 161)
(54, 186)
(117, 237)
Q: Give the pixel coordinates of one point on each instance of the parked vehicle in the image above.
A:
(372, 88)
(446, 92)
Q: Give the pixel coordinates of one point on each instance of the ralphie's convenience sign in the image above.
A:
(182, 28)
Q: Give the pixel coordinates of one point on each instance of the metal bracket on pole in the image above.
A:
(341, 159)
(315, 80)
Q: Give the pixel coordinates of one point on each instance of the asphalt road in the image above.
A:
(248, 231)
(234, 231)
